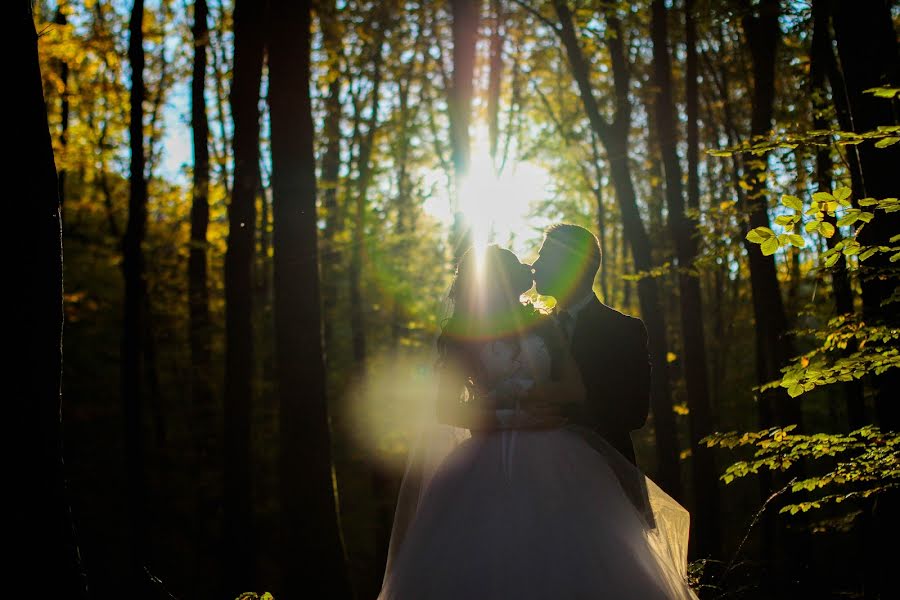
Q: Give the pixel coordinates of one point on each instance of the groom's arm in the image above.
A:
(636, 385)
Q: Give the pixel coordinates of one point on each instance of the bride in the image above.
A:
(497, 503)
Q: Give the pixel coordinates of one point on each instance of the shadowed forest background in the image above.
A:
(261, 206)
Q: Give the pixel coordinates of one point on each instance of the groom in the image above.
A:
(609, 347)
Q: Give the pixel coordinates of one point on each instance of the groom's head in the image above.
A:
(567, 262)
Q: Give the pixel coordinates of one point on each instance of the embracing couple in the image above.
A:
(524, 484)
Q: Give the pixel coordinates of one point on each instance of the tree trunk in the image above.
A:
(821, 56)
(220, 64)
(135, 290)
(312, 553)
(60, 19)
(774, 344)
(867, 46)
(465, 34)
(868, 50)
(204, 422)
(44, 535)
(614, 137)
(240, 557)
(495, 78)
(684, 231)
(331, 166)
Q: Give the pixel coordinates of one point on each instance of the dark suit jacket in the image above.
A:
(610, 349)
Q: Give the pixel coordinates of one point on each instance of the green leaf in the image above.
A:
(823, 197)
(842, 193)
(868, 253)
(888, 141)
(792, 202)
(770, 246)
(831, 260)
(883, 92)
(784, 220)
(811, 226)
(868, 202)
(795, 390)
(760, 234)
(826, 229)
(849, 219)
(797, 240)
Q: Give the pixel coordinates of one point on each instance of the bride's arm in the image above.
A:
(451, 410)
(560, 398)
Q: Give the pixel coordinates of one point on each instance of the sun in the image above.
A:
(498, 208)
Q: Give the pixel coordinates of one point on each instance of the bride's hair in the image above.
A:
(486, 305)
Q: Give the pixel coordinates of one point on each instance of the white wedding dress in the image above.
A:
(530, 514)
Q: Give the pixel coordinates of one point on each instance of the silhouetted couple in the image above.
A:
(523, 484)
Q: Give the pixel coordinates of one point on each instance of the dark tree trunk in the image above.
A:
(197, 260)
(203, 411)
(495, 78)
(684, 231)
(60, 19)
(240, 554)
(868, 50)
(42, 530)
(784, 549)
(692, 106)
(465, 34)
(774, 344)
(312, 553)
(821, 56)
(133, 329)
(614, 137)
(220, 64)
(331, 166)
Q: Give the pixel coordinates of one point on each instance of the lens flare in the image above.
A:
(388, 406)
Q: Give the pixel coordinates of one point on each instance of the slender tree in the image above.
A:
(774, 345)
(133, 329)
(821, 56)
(496, 76)
(203, 410)
(868, 50)
(459, 95)
(332, 41)
(63, 66)
(240, 558)
(690, 302)
(312, 553)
